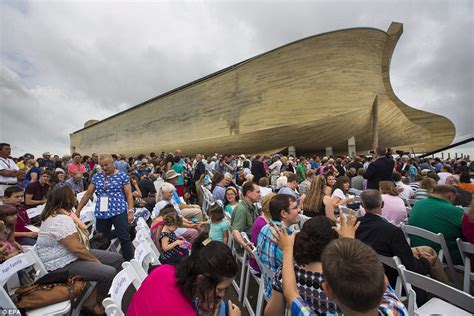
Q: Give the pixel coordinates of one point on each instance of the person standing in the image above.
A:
(258, 170)
(9, 171)
(380, 169)
(114, 198)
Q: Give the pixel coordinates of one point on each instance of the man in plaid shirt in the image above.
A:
(283, 209)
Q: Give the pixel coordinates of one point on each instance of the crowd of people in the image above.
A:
(289, 208)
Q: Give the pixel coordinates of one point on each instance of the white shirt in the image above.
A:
(8, 164)
(442, 177)
(275, 168)
(338, 193)
(264, 191)
(407, 192)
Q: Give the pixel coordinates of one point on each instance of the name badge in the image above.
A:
(104, 204)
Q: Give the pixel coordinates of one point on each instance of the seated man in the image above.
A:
(35, 193)
(463, 197)
(244, 215)
(438, 215)
(291, 186)
(76, 183)
(283, 209)
(388, 240)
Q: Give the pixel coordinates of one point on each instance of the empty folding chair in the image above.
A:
(466, 249)
(438, 238)
(144, 234)
(17, 263)
(453, 302)
(143, 258)
(120, 284)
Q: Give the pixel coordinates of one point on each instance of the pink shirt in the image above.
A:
(160, 295)
(394, 209)
(73, 168)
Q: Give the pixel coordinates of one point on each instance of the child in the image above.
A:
(13, 197)
(158, 224)
(219, 227)
(173, 251)
(8, 246)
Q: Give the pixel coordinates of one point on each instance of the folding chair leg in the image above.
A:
(261, 290)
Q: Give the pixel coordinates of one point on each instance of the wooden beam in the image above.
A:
(375, 123)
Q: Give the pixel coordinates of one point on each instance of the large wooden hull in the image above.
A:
(311, 94)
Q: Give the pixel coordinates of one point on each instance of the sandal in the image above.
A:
(96, 309)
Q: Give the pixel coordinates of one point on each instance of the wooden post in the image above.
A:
(375, 123)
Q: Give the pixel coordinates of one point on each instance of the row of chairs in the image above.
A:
(133, 272)
(466, 249)
(448, 300)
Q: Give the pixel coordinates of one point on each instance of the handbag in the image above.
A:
(37, 295)
(99, 241)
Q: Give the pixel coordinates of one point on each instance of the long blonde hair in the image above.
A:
(387, 187)
(315, 195)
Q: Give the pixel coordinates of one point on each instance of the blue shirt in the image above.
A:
(269, 253)
(219, 193)
(111, 187)
(121, 165)
(217, 230)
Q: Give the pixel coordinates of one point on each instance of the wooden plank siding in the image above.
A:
(311, 94)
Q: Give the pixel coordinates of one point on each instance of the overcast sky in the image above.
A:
(65, 62)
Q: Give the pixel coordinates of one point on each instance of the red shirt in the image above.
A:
(22, 221)
(75, 168)
(467, 228)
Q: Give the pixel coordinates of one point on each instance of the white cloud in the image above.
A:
(66, 62)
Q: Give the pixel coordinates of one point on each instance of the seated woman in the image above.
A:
(330, 182)
(425, 188)
(309, 244)
(62, 247)
(316, 202)
(196, 287)
(188, 230)
(340, 195)
(393, 209)
(258, 224)
(8, 246)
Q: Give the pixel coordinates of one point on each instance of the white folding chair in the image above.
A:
(144, 234)
(243, 259)
(460, 303)
(266, 273)
(143, 258)
(394, 262)
(208, 199)
(9, 268)
(142, 223)
(466, 249)
(261, 286)
(438, 238)
(120, 284)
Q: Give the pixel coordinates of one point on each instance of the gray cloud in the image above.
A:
(65, 63)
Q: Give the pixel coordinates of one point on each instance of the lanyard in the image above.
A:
(6, 162)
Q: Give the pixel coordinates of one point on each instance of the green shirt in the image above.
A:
(243, 217)
(301, 171)
(179, 169)
(438, 216)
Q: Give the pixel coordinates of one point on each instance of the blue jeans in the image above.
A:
(122, 231)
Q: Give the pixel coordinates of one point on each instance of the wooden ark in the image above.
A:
(311, 94)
